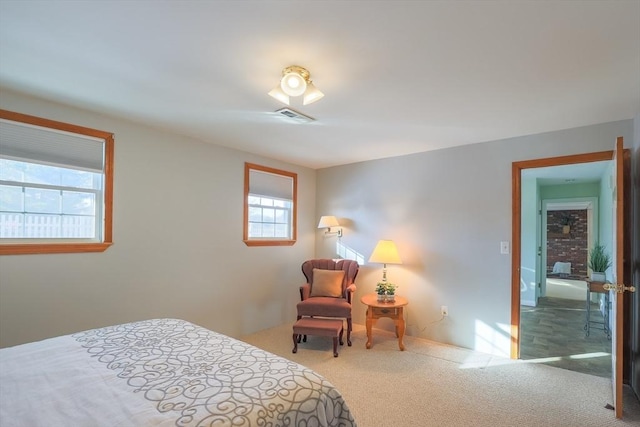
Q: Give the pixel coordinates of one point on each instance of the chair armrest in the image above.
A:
(305, 291)
(349, 292)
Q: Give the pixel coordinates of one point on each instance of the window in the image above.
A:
(56, 186)
(269, 206)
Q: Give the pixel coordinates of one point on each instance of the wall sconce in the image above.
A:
(385, 253)
(328, 222)
(296, 81)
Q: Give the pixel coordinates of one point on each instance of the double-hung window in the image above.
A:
(55, 186)
(269, 206)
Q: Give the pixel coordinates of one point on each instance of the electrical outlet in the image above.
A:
(444, 310)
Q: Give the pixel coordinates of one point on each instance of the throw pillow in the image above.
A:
(327, 283)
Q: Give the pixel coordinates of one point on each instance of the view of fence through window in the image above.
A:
(269, 217)
(42, 201)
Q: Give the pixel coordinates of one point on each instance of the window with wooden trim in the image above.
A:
(56, 186)
(270, 206)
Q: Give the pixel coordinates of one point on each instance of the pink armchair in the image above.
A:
(333, 291)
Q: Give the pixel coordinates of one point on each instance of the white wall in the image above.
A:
(177, 251)
(447, 211)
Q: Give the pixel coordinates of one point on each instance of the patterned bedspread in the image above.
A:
(161, 372)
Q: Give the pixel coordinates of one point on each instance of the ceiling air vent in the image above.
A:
(294, 116)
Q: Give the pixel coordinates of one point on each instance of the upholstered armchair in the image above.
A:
(329, 289)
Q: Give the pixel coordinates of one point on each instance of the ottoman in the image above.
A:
(318, 326)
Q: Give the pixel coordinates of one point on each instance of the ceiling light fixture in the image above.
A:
(296, 81)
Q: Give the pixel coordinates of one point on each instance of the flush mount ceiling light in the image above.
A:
(296, 81)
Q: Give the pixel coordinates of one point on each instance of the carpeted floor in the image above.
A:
(431, 384)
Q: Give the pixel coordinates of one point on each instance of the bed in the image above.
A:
(160, 372)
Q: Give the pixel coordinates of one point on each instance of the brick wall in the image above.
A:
(567, 247)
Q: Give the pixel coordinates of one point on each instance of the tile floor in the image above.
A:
(554, 333)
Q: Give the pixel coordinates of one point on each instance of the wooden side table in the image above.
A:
(393, 310)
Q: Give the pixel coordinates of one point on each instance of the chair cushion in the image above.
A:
(324, 306)
(327, 283)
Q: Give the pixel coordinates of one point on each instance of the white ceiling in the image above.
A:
(399, 76)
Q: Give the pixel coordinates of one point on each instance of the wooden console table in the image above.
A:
(393, 310)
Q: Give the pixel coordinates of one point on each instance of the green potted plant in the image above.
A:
(599, 262)
(386, 291)
(381, 290)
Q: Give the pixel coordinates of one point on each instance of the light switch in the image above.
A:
(504, 248)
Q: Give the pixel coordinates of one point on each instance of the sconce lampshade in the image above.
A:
(385, 252)
(328, 222)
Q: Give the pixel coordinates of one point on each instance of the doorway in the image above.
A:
(526, 275)
(560, 222)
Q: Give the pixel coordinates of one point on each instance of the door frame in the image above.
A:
(516, 214)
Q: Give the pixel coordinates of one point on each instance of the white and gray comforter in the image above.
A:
(161, 372)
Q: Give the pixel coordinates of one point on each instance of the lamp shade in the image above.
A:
(311, 95)
(278, 94)
(328, 221)
(385, 252)
(293, 84)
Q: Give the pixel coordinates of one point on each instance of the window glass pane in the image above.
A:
(255, 214)
(78, 203)
(41, 201)
(255, 229)
(33, 173)
(281, 203)
(38, 226)
(11, 199)
(80, 179)
(281, 216)
(9, 171)
(11, 225)
(266, 202)
(40, 174)
(254, 200)
(79, 227)
(268, 215)
(282, 230)
(268, 230)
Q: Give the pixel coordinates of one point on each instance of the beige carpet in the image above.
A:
(431, 384)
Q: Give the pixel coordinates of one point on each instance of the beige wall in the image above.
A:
(178, 249)
(447, 211)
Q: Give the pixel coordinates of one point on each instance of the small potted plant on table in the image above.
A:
(599, 262)
(386, 291)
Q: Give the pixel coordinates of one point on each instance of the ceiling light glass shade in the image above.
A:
(293, 84)
(278, 94)
(328, 221)
(311, 95)
(385, 252)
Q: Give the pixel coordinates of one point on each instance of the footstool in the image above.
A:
(318, 326)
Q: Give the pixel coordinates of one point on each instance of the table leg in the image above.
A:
(400, 329)
(369, 325)
(587, 325)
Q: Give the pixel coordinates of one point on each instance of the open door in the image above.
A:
(617, 288)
